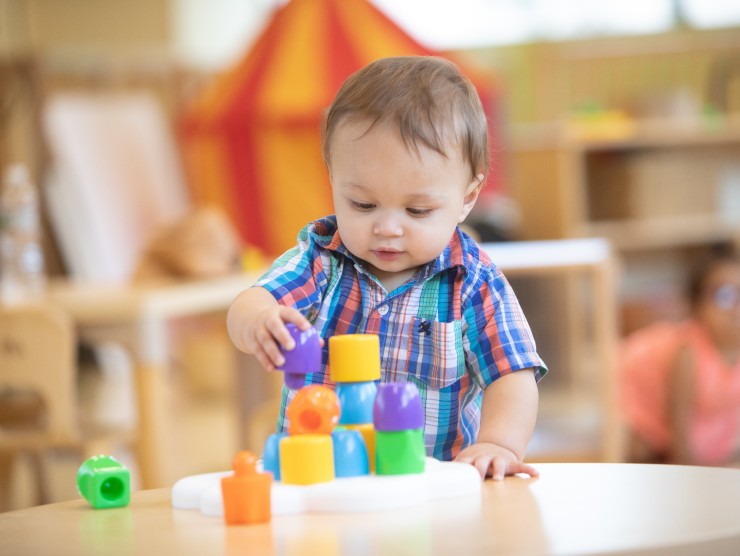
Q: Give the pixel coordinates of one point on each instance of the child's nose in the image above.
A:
(387, 225)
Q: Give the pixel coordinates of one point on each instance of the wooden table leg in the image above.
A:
(153, 446)
(154, 449)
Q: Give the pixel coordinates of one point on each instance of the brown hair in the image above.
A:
(719, 255)
(426, 97)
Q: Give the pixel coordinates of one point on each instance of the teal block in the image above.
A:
(356, 400)
(399, 452)
(350, 454)
(104, 482)
(271, 455)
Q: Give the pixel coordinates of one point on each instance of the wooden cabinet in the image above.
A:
(658, 191)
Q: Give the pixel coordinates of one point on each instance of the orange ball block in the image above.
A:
(246, 494)
(313, 410)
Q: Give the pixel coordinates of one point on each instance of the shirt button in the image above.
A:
(382, 310)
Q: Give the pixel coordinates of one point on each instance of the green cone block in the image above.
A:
(104, 482)
(399, 452)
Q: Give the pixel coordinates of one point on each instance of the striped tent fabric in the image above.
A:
(251, 141)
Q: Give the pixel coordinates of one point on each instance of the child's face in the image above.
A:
(396, 209)
(719, 306)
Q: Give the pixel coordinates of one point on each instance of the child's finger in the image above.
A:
(483, 465)
(270, 349)
(264, 360)
(280, 335)
(498, 468)
(292, 315)
(524, 468)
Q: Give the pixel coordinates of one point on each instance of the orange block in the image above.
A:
(246, 494)
(313, 410)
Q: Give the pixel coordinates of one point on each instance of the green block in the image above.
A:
(399, 452)
(104, 482)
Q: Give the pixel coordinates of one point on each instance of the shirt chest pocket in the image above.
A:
(435, 352)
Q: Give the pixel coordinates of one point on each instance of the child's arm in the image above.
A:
(508, 416)
(256, 324)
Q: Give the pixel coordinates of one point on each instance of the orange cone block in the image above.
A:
(246, 494)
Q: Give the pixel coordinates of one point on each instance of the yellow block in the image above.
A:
(367, 430)
(306, 459)
(354, 357)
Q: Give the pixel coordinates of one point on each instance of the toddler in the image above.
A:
(405, 142)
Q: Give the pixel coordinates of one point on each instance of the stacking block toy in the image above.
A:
(307, 453)
(246, 494)
(271, 456)
(306, 459)
(104, 482)
(398, 416)
(368, 435)
(303, 359)
(336, 440)
(356, 400)
(354, 357)
(350, 454)
(399, 452)
(313, 410)
(398, 407)
(355, 367)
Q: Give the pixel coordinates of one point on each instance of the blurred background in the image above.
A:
(616, 119)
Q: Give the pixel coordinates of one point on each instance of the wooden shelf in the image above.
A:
(657, 192)
(663, 184)
(640, 134)
(662, 133)
(666, 233)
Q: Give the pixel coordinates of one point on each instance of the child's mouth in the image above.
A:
(387, 255)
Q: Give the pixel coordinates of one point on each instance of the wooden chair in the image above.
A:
(38, 393)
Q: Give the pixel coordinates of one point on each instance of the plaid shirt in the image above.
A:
(451, 330)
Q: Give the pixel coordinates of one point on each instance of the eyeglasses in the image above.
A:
(726, 297)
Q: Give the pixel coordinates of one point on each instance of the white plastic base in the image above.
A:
(368, 493)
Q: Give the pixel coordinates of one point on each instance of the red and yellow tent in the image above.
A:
(251, 141)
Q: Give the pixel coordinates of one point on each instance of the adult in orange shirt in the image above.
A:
(680, 381)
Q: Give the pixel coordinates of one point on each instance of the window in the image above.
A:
(445, 25)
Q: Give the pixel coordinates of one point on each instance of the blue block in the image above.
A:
(356, 400)
(350, 454)
(271, 456)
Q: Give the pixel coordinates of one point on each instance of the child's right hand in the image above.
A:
(268, 337)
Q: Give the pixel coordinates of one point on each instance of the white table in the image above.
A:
(572, 509)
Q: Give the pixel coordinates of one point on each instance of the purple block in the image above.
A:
(398, 407)
(304, 358)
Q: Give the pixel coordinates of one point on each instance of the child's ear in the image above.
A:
(471, 196)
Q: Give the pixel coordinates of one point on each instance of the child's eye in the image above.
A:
(365, 207)
(419, 213)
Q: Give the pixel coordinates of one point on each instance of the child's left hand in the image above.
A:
(494, 461)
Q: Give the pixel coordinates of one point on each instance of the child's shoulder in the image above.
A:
(480, 272)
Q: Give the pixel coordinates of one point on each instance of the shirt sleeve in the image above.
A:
(497, 338)
(297, 278)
